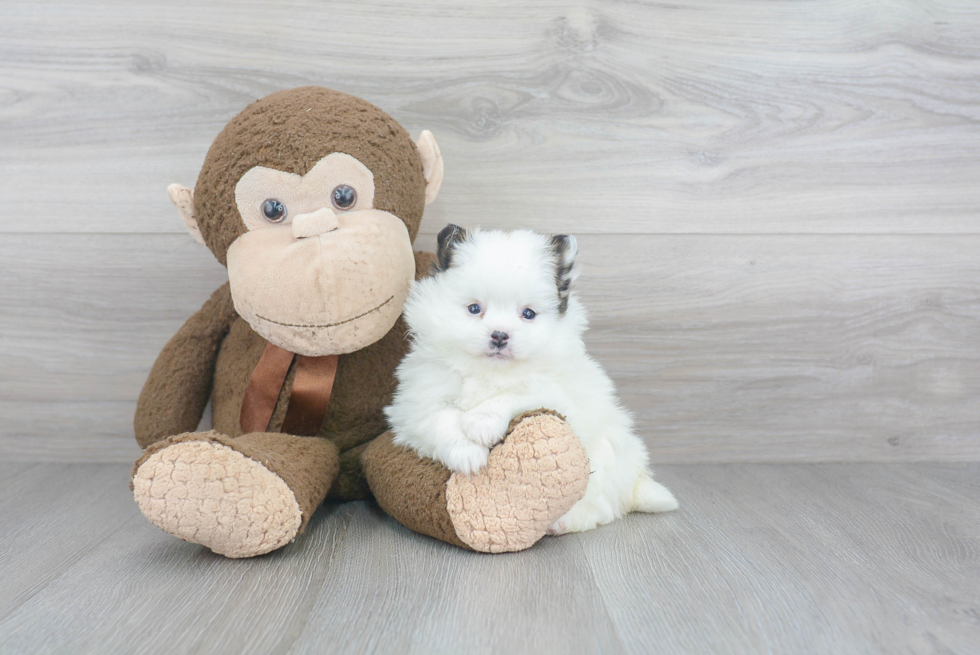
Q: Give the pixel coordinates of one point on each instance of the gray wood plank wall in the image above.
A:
(778, 202)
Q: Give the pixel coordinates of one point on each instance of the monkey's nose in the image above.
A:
(315, 223)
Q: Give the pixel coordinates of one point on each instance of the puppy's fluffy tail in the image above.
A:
(650, 496)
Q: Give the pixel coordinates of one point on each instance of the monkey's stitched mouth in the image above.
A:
(328, 325)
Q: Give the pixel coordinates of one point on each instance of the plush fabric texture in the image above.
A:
(304, 196)
(183, 199)
(432, 165)
(240, 498)
(308, 465)
(291, 131)
(351, 483)
(323, 296)
(207, 493)
(175, 394)
(364, 383)
(410, 488)
(531, 480)
(246, 494)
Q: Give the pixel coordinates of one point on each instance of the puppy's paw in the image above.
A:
(580, 518)
(484, 428)
(464, 456)
(559, 527)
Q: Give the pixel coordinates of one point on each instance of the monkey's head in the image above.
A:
(312, 198)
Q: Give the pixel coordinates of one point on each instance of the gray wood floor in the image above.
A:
(761, 558)
(779, 218)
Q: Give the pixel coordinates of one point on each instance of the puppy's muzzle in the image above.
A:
(499, 339)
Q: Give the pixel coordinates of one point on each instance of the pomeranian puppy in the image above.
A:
(496, 331)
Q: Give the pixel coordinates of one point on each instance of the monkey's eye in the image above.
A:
(343, 196)
(528, 313)
(274, 211)
(475, 308)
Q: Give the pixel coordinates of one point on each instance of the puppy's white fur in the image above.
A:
(457, 392)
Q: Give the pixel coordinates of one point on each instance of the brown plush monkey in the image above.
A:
(312, 198)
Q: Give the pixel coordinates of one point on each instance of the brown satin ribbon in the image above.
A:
(308, 402)
(312, 387)
(264, 388)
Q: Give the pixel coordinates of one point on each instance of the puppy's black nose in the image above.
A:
(499, 339)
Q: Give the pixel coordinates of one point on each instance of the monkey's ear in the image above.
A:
(431, 164)
(450, 237)
(565, 250)
(183, 199)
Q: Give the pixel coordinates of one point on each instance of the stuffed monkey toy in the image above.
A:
(311, 198)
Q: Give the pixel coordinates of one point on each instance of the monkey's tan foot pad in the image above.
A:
(531, 480)
(205, 492)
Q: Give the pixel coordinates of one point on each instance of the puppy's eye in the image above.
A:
(274, 211)
(528, 313)
(343, 196)
(475, 308)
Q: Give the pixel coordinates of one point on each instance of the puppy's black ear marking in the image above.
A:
(450, 237)
(564, 247)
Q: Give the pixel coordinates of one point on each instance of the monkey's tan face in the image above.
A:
(320, 271)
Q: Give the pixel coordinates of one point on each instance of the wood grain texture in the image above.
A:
(773, 194)
(727, 348)
(801, 558)
(812, 558)
(52, 516)
(143, 591)
(780, 222)
(399, 592)
(599, 116)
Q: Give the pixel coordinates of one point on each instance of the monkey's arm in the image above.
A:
(176, 393)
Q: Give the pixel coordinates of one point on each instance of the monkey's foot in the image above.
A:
(208, 489)
(531, 479)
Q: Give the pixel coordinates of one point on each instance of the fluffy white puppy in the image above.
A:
(497, 331)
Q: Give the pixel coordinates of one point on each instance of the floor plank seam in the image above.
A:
(334, 551)
(79, 557)
(28, 467)
(605, 600)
